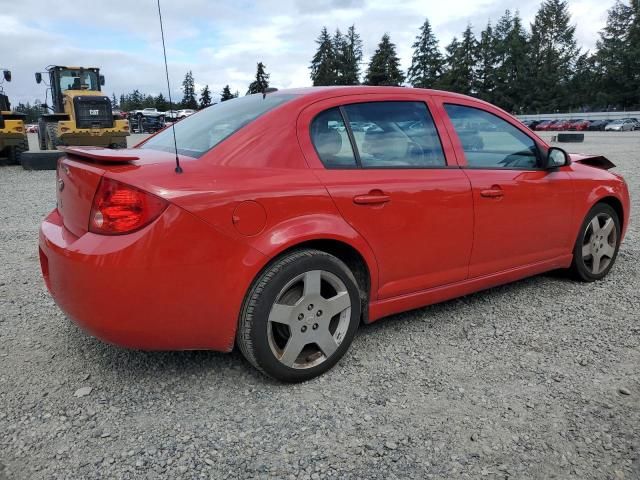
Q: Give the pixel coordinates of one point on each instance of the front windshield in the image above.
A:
(78, 80)
(200, 132)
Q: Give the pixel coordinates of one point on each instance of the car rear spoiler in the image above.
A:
(101, 154)
(597, 161)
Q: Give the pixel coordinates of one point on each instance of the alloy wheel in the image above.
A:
(309, 319)
(600, 242)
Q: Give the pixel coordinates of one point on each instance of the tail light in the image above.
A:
(119, 208)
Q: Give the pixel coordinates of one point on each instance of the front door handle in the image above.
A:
(375, 197)
(493, 192)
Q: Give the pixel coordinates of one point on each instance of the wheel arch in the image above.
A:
(616, 204)
(355, 254)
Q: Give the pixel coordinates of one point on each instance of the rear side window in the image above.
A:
(489, 141)
(331, 140)
(200, 132)
(395, 135)
(384, 135)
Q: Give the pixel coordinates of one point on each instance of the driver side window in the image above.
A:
(490, 142)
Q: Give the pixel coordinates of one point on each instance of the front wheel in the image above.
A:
(597, 245)
(300, 316)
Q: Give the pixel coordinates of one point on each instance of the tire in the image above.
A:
(51, 138)
(283, 314)
(121, 143)
(594, 256)
(15, 153)
(42, 134)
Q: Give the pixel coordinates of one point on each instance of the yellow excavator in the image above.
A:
(79, 113)
(13, 135)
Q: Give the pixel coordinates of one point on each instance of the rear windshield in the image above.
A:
(200, 132)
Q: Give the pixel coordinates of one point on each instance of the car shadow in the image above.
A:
(167, 366)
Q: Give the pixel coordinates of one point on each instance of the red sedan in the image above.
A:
(300, 213)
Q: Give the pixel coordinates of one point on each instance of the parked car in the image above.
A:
(146, 112)
(185, 113)
(545, 125)
(561, 125)
(621, 126)
(32, 128)
(598, 125)
(281, 234)
(534, 123)
(579, 125)
(636, 123)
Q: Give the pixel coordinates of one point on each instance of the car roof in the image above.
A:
(319, 93)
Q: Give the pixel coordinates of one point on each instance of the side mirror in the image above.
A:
(556, 157)
(38, 77)
(102, 80)
(7, 75)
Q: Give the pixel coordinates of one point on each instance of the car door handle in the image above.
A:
(372, 198)
(495, 192)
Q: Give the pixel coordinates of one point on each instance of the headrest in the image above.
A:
(328, 143)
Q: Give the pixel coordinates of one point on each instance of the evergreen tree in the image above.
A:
(261, 83)
(613, 58)
(161, 103)
(553, 52)
(461, 60)
(487, 55)
(339, 44)
(122, 102)
(384, 68)
(205, 97)
(632, 96)
(323, 64)
(114, 101)
(512, 63)
(226, 94)
(349, 56)
(427, 61)
(189, 92)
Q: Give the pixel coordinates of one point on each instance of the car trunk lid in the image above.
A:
(80, 171)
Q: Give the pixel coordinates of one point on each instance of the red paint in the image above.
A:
(426, 235)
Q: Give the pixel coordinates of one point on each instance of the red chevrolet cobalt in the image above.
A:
(300, 213)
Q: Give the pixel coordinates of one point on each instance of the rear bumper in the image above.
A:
(177, 284)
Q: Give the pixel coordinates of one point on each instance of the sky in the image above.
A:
(221, 41)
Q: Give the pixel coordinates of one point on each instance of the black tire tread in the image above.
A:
(16, 152)
(243, 336)
(575, 270)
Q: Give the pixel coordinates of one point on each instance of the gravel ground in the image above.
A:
(537, 379)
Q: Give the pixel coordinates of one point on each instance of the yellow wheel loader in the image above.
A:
(79, 113)
(13, 135)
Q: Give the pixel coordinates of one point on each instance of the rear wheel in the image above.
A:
(15, 152)
(597, 245)
(300, 316)
(51, 136)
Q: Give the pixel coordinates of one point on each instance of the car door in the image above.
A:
(397, 184)
(521, 209)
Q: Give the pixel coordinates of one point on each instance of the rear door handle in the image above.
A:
(372, 198)
(494, 192)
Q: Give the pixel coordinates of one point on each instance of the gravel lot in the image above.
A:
(537, 379)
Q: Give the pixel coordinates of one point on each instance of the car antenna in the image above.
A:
(178, 168)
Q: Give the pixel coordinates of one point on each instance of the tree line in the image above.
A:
(523, 70)
(137, 100)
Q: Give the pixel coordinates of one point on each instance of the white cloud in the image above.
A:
(221, 42)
